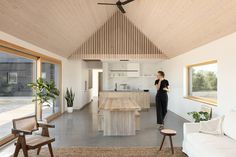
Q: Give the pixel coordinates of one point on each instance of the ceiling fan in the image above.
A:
(119, 4)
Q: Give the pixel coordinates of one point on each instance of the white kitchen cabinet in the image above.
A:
(133, 70)
(124, 70)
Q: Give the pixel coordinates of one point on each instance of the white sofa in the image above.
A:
(197, 144)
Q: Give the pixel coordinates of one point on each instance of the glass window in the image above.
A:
(15, 96)
(50, 72)
(203, 81)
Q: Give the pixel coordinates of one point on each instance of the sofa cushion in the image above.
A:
(213, 126)
(212, 145)
(229, 126)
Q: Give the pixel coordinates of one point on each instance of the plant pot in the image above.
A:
(69, 109)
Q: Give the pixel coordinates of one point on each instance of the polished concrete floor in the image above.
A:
(80, 129)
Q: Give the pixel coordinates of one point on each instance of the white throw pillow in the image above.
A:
(213, 126)
(229, 125)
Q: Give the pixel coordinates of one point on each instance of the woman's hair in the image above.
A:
(161, 73)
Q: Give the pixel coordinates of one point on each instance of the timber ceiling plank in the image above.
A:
(182, 25)
(61, 26)
(58, 26)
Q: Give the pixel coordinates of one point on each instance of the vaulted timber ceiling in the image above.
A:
(62, 26)
(118, 38)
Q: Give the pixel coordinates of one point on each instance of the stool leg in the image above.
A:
(171, 144)
(162, 141)
(38, 151)
(50, 149)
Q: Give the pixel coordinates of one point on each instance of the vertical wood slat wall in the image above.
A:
(118, 38)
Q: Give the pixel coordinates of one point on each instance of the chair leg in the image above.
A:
(17, 149)
(171, 144)
(162, 141)
(50, 149)
(24, 148)
(38, 151)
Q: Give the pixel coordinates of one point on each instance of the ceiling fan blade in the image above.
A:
(126, 2)
(106, 3)
(121, 8)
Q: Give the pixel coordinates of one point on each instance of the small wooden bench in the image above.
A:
(23, 129)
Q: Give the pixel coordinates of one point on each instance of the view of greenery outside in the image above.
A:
(204, 81)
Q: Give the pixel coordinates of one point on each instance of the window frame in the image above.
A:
(212, 102)
(39, 58)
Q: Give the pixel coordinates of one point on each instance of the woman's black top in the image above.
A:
(164, 84)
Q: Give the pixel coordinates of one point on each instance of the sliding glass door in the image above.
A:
(18, 67)
(15, 97)
(51, 72)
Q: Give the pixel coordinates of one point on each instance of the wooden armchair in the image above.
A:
(26, 126)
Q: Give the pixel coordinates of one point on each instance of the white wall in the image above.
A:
(76, 72)
(222, 50)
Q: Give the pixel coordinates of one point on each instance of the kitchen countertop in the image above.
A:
(141, 97)
(122, 91)
(117, 104)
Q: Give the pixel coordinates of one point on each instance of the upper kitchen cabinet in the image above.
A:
(124, 69)
(133, 70)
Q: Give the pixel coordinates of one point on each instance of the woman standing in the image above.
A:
(163, 87)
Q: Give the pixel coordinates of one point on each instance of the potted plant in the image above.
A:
(199, 116)
(70, 96)
(45, 92)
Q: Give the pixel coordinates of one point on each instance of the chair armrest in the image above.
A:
(191, 128)
(24, 132)
(45, 125)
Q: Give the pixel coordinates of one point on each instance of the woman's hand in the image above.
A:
(159, 83)
(166, 89)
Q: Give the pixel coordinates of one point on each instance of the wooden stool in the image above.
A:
(100, 121)
(170, 133)
(137, 120)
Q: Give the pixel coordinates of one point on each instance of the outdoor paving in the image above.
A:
(12, 108)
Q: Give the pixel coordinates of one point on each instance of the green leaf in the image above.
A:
(44, 91)
(69, 96)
